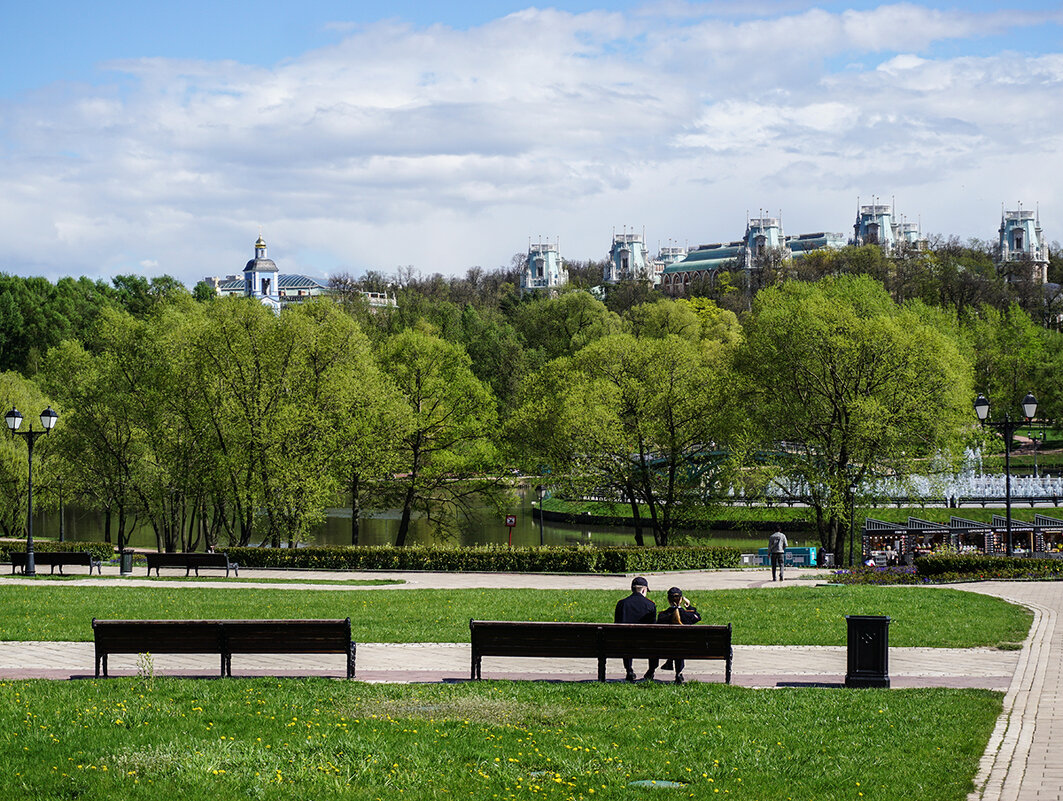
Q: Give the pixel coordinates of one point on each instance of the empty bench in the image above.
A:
(190, 562)
(223, 637)
(599, 641)
(56, 559)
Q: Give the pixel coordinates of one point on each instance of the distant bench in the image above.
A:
(56, 559)
(190, 562)
(223, 637)
(599, 641)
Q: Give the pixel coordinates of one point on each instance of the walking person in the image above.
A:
(636, 608)
(777, 551)
(680, 612)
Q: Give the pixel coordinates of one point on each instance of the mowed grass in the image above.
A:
(930, 617)
(315, 738)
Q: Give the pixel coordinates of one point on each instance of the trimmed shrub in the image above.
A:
(488, 558)
(99, 550)
(974, 567)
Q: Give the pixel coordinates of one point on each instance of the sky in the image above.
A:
(150, 138)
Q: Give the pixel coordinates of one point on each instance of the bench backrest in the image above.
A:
(159, 636)
(505, 638)
(287, 636)
(650, 640)
(226, 636)
(609, 640)
(186, 559)
(53, 557)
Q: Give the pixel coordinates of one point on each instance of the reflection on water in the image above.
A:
(381, 528)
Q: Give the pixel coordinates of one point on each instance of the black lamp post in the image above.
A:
(1008, 428)
(14, 419)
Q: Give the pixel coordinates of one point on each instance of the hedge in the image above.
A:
(988, 567)
(99, 550)
(489, 558)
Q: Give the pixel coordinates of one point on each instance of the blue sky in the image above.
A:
(145, 137)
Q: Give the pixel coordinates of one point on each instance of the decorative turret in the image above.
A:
(763, 236)
(1022, 242)
(629, 260)
(543, 269)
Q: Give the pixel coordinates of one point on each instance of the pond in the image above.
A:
(381, 528)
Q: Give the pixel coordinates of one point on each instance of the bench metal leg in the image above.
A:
(351, 654)
(601, 668)
(730, 655)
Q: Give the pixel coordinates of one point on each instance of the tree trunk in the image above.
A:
(407, 510)
(355, 510)
(630, 491)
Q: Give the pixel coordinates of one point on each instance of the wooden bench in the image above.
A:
(56, 559)
(599, 641)
(190, 562)
(223, 637)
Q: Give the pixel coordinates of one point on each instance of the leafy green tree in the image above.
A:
(24, 395)
(447, 456)
(97, 440)
(1009, 350)
(560, 326)
(349, 414)
(639, 419)
(847, 386)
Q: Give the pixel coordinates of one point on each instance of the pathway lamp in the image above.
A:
(1007, 427)
(14, 419)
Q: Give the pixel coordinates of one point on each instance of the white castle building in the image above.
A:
(1021, 250)
(543, 269)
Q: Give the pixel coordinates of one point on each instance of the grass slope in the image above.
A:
(785, 616)
(268, 739)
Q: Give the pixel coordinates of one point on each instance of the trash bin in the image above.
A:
(868, 651)
(125, 562)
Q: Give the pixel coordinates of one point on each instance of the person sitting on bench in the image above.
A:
(680, 612)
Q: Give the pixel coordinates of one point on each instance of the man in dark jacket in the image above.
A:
(636, 608)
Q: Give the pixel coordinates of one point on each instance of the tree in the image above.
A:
(447, 456)
(24, 395)
(638, 418)
(560, 326)
(847, 386)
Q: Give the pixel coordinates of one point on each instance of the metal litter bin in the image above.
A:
(125, 562)
(868, 651)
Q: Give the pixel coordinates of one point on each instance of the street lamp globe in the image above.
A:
(13, 419)
(1029, 406)
(981, 408)
(48, 418)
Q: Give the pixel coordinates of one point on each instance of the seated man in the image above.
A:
(636, 608)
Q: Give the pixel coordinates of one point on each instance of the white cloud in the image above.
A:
(447, 148)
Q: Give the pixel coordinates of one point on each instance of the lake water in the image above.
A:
(381, 528)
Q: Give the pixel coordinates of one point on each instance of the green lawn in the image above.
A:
(785, 616)
(320, 739)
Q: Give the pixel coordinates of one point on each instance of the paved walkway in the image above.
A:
(1017, 765)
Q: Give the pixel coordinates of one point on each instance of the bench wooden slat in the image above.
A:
(223, 637)
(598, 640)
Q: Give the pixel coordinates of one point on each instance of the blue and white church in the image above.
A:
(264, 282)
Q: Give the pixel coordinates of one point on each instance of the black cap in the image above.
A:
(675, 592)
(639, 582)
